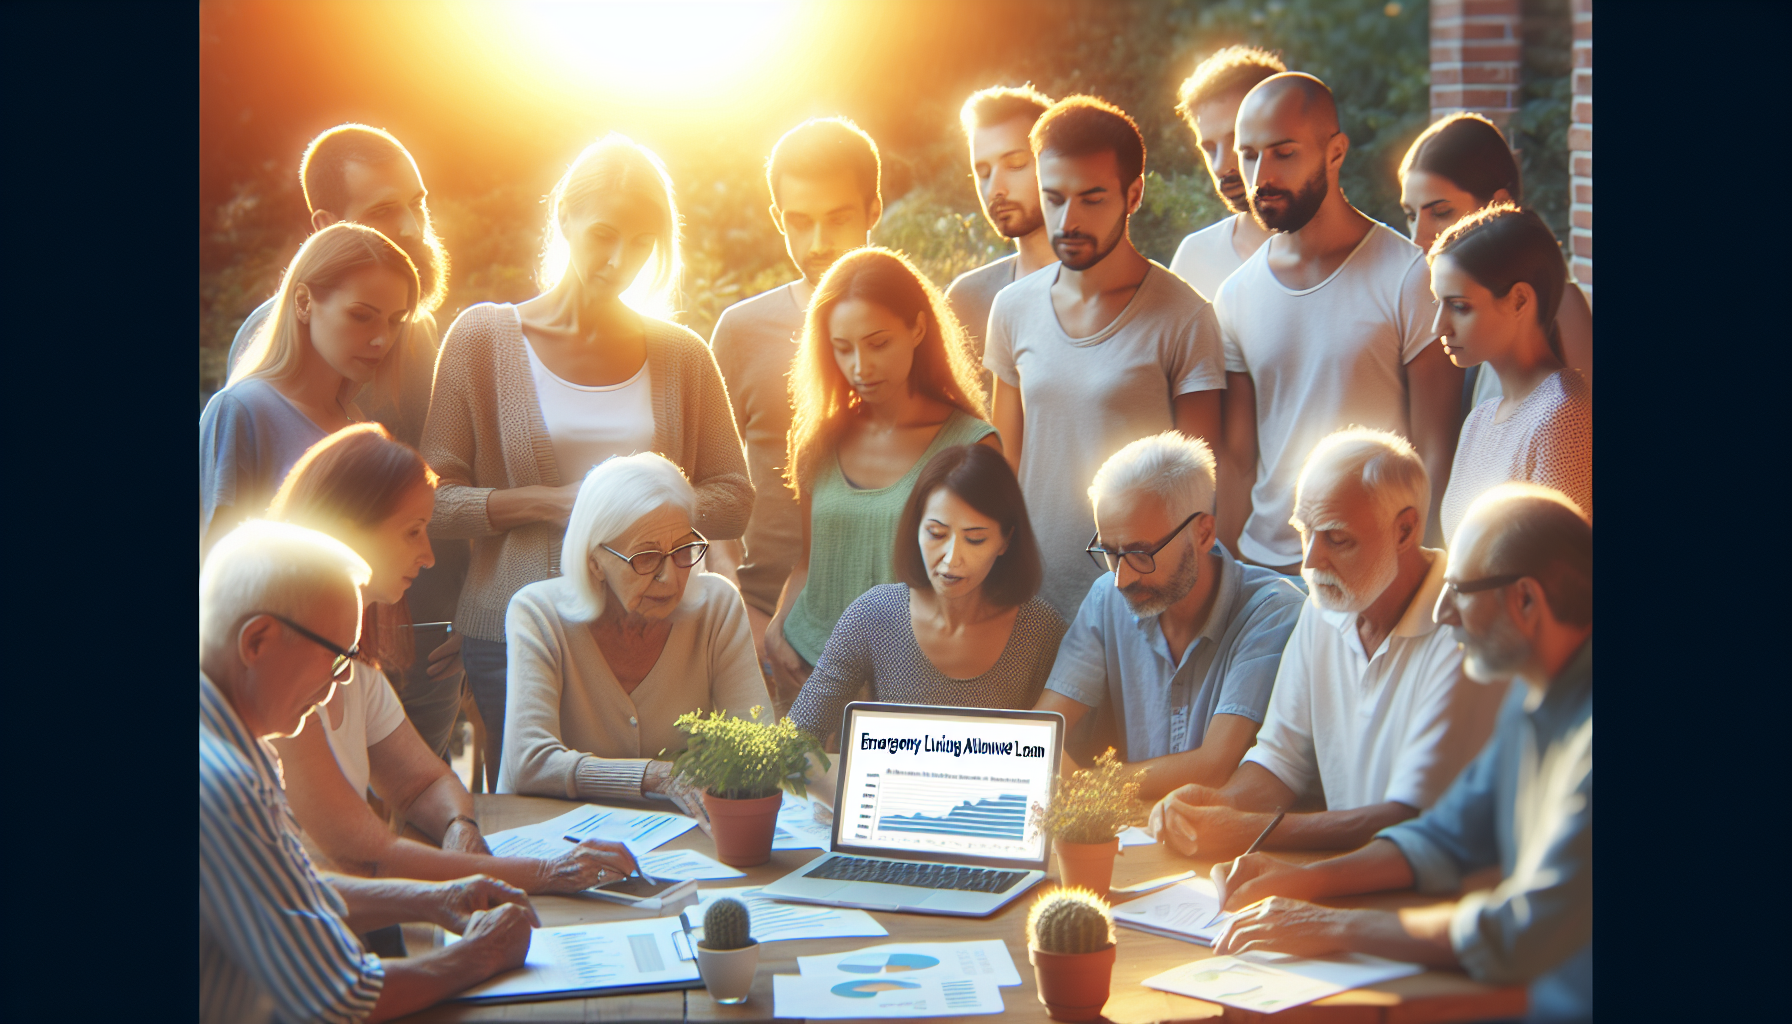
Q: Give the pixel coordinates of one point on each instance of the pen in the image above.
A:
(428, 625)
(1281, 812)
(639, 870)
(1273, 822)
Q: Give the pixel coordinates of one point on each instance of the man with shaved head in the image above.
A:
(1208, 101)
(1519, 598)
(1370, 708)
(1328, 324)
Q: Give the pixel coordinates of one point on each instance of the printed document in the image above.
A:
(771, 921)
(986, 959)
(1268, 982)
(640, 831)
(879, 996)
(643, 955)
(1189, 911)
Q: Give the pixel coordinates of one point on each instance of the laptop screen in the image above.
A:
(945, 783)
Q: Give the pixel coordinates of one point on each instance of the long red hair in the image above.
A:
(821, 396)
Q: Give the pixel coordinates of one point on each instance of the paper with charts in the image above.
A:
(773, 921)
(881, 995)
(797, 827)
(1189, 911)
(984, 959)
(640, 831)
(643, 954)
(1269, 982)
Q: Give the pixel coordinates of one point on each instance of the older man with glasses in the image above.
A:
(279, 616)
(1371, 709)
(1176, 647)
(1519, 599)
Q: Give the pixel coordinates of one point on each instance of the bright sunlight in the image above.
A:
(667, 50)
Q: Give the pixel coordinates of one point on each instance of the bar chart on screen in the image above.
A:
(961, 812)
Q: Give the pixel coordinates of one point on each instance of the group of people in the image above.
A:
(1244, 519)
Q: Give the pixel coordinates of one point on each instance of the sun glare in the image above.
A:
(666, 50)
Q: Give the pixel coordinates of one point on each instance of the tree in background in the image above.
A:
(1375, 56)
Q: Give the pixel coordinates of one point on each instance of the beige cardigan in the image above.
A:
(485, 432)
(569, 729)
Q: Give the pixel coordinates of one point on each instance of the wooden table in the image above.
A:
(1434, 996)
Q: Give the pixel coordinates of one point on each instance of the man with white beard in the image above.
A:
(1371, 708)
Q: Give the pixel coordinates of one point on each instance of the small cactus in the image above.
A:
(1070, 921)
(726, 925)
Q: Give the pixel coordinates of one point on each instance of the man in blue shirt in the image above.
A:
(1177, 646)
(279, 620)
(1519, 597)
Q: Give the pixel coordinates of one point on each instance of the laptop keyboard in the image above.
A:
(925, 876)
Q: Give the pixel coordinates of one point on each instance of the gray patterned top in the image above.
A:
(874, 645)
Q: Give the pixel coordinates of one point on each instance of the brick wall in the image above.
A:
(1476, 52)
(1580, 148)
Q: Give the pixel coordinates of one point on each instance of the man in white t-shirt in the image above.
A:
(1371, 708)
(1327, 325)
(1098, 350)
(996, 122)
(1208, 101)
(824, 176)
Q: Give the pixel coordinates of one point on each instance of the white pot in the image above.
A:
(728, 973)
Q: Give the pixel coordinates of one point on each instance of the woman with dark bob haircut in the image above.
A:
(965, 626)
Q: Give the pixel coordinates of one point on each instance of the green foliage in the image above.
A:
(1539, 131)
(726, 925)
(744, 759)
(1070, 921)
(1094, 806)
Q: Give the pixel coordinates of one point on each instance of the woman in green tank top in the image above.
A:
(882, 381)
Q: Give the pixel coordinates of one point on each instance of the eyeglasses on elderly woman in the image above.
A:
(648, 563)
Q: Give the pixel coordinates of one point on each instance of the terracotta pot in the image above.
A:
(743, 828)
(728, 973)
(1090, 865)
(1073, 986)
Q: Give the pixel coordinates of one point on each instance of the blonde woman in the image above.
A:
(882, 382)
(339, 318)
(529, 397)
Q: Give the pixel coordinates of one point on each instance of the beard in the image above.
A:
(816, 266)
(431, 260)
(1015, 220)
(1336, 594)
(1094, 252)
(1147, 602)
(1233, 192)
(1298, 209)
(1494, 657)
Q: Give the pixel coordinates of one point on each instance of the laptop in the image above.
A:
(933, 812)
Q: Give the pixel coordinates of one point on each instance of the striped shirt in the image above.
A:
(273, 945)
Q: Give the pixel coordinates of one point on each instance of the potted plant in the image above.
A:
(1070, 943)
(728, 954)
(742, 766)
(1089, 811)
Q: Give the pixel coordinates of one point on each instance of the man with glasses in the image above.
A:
(1519, 598)
(1176, 647)
(1371, 709)
(279, 617)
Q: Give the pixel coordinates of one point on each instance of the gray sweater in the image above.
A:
(485, 433)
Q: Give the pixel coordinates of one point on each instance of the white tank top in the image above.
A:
(587, 425)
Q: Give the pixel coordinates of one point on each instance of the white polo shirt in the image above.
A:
(1396, 726)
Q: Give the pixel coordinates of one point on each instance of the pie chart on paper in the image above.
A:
(869, 987)
(887, 963)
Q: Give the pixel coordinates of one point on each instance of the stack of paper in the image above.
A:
(797, 827)
(1268, 982)
(685, 864)
(1136, 836)
(898, 979)
(1189, 911)
(616, 956)
(773, 921)
(640, 831)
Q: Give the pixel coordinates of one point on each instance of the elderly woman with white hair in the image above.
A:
(604, 657)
